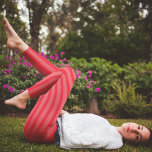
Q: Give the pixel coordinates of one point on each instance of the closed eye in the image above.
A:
(140, 127)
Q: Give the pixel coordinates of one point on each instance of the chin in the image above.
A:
(125, 127)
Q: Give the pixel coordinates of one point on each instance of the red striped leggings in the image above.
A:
(53, 92)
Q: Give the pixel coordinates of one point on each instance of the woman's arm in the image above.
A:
(63, 112)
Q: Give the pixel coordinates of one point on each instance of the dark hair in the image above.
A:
(149, 142)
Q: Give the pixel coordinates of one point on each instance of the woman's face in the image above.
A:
(135, 133)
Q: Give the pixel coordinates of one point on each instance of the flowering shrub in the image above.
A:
(104, 72)
(20, 75)
(84, 89)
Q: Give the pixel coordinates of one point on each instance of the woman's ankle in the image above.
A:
(22, 46)
(24, 95)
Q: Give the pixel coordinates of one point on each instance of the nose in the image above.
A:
(134, 130)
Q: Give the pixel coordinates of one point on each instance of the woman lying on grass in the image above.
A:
(44, 125)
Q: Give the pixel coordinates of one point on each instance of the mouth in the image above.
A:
(128, 128)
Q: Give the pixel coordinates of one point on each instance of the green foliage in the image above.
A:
(113, 30)
(140, 74)
(3, 62)
(126, 102)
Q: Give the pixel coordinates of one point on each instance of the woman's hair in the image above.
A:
(149, 142)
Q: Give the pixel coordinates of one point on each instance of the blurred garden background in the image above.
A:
(107, 42)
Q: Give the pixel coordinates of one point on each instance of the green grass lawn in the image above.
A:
(12, 138)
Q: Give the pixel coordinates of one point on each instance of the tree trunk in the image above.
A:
(93, 107)
(36, 12)
(34, 31)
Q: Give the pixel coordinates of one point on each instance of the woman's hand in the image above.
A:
(63, 112)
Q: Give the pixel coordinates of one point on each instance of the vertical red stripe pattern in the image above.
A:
(53, 92)
(40, 63)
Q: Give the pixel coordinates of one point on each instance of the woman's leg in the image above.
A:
(53, 90)
(15, 42)
(41, 125)
(40, 63)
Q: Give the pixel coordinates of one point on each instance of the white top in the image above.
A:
(88, 131)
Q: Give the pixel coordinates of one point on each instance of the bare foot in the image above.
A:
(13, 40)
(19, 101)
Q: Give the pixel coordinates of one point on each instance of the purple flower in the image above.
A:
(8, 58)
(78, 71)
(65, 59)
(23, 58)
(86, 78)
(25, 63)
(38, 77)
(11, 89)
(41, 53)
(16, 51)
(24, 77)
(60, 65)
(78, 75)
(9, 66)
(90, 75)
(98, 89)
(89, 85)
(4, 72)
(52, 57)
(21, 91)
(45, 56)
(29, 65)
(62, 53)
(56, 54)
(8, 70)
(90, 72)
(57, 58)
(94, 81)
(5, 86)
(12, 62)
